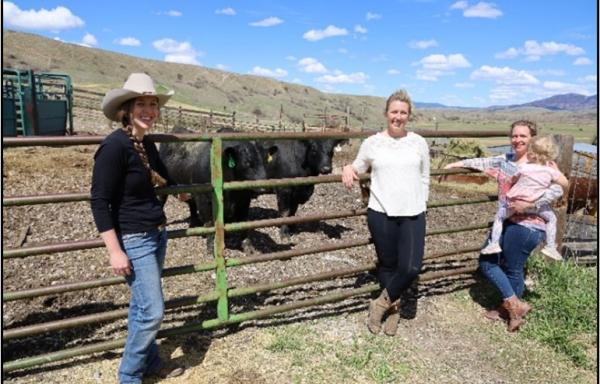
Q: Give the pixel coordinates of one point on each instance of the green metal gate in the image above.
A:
(38, 104)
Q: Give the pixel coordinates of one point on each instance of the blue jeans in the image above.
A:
(146, 252)
(506, 269)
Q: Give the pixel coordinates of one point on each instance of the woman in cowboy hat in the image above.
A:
(131, 220)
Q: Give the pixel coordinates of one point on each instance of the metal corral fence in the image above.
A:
(581, 235)
(209, 120)
(222, 292)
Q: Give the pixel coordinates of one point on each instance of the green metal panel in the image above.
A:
(52, 117)
(9, 117)
(42, 102)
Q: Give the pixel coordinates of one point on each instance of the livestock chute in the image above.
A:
(36, 104)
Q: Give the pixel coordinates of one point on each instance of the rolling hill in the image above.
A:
(195, 86)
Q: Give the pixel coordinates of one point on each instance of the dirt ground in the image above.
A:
(443, 338)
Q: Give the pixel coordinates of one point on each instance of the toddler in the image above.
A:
(529, 183)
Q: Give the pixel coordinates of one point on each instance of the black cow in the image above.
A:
(189, 163)
(298, 158)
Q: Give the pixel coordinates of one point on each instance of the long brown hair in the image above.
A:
(124, 117)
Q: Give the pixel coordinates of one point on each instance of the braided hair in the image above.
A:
(123, 115)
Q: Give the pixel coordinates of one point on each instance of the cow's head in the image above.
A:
(243, 161)
(319, 154)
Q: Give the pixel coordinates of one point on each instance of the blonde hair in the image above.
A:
(400, 95)
(526, 123)
(541, 150)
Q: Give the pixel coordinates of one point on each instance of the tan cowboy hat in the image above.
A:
(137, 84)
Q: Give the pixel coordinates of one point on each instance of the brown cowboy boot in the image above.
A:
(516, 309)
(377, 308)
(496, 314)
(390, 325)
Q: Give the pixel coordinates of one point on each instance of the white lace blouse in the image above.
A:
(399, 173)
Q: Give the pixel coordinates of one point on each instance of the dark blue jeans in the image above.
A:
(506, 269)
(399, 244)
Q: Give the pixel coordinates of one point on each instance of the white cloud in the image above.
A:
(548, 72)
(372, 16)
(50, 20)
(533, 51)
(582, 61)
(504, 75)
(89, 40)
(341, 78)
(560, 87)
(429, 74)
(330, 31)
(459, 5)
(226, 11)
(481, 9)
(484, 10)
(311, 65)
(589, 79)
(291, 58)
(423, 44)
(222, 67)
(510, 53)
(128, 41)
(268, 22)
(434, 66)
(360, 29)
(444, 63)
(177, 52)
(342, 50)
(277, 72)
(174, 13)
(533, 48)
(393, 72)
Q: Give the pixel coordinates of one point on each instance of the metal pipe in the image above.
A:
(236, 292)
(11, 201)
(97, 283)
(204, 267)
(214, 323)
(78, 245)
(8, 142)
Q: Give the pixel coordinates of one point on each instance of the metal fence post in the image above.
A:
(219, 220)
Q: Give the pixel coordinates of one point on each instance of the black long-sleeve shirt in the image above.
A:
(123, 197)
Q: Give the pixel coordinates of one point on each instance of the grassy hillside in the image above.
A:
(250, 96)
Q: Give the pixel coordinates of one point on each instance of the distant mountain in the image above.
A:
(566, 102)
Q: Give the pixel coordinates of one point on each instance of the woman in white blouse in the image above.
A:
(399, 163)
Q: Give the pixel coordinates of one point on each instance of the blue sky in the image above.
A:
(465, 53)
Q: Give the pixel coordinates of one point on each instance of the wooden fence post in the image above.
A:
(564, 161)
(347, 119)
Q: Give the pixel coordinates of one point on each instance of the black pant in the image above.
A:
(400, 244)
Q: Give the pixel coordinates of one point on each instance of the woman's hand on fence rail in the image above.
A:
(349, 175)
(185, 196)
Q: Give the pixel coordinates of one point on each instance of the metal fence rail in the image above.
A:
(222, 292)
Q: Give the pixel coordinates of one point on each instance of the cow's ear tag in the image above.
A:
(269, 158)
(231, 162)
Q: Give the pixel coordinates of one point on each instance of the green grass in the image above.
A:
(319, 358)
(566, 303)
